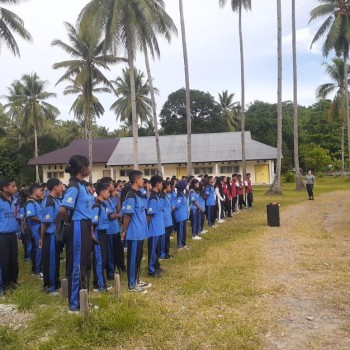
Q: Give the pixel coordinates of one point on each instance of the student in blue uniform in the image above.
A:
(76, 212)
(8, 239)
(100, 225)
(22, 224)
(210, 201)
(165, 201)
(50, 250)
(181, 214)
(201, 202)
(33, 217)
(115, 250)
(195, 212)
(135, 231)
(155, 226)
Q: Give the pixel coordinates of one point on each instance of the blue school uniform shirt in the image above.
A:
(134, 206)
(78, 198)
(33, 209)
(156, 224)
(8, 222)
(181, 207)
(50, 207)
(210, 193)
(99, 215)
(194, 197)
(113, 224)
(144, 197)
(201, 202)
(166, 209)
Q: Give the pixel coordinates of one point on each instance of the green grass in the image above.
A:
(209, 298)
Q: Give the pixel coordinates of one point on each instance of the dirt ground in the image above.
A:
(306, 279)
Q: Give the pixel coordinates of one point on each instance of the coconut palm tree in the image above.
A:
(187, 85)
(85, 68)
(276, 185)
(122, 107)
(338, 107)
(299, 185)
(239, 5)
(10, 22)
(229, 109)
(29, 100)
(130, 24)
(336, 27)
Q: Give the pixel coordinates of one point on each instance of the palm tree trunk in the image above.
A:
(342, 149)
(135, 129)
(154, 110)
(188, 100)
(276, 185)
(36, 153)
(244, 167)
(347, 98)
(299, 185)
(90, 146)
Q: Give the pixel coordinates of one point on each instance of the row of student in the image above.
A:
(87, 226)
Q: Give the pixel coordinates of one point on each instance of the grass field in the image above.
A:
(209, 298)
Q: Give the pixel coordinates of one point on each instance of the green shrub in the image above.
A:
(289, 177)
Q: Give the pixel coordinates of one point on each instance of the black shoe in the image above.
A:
(156, 274)
(168, 257)
(160, 270)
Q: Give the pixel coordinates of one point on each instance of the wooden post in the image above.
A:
(117, 285)
(64, 288)
(84, 303)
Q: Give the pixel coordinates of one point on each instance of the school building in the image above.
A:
(214, 154)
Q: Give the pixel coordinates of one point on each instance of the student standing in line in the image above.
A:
(201, 202)
(234, 194)
(195, 209)
(33, 217)
(240, 188)
(165, 201)
(100, 223)
(220, 199)
(76, 212)
(156, 227)
(135, 231)
(50, 250)
(210, 201)
(181, 215)
(226, 188)
(248, 188)
(115, 249)
(9, 268)
(310, 181)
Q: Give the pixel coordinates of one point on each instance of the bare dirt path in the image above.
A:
(306, 275)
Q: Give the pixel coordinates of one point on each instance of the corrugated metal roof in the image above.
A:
(101, 152)
(213, 147)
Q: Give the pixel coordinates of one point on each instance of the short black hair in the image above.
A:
(76, 163)
(134, 174)
(51, 183)
(156, 179)
(166, 183)
(5, 182)
(34, 187)
(100, 186)
(106, 179)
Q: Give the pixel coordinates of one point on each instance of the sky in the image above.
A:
(213, 52)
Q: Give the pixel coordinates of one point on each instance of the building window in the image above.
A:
(203, 170)
(55, 174)
(229, 169)
(150, 172)
(124, 172)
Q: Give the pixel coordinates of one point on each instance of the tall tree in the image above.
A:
(85, 68)
(276, 185)
(122, 106)
(187, 86)
(29, 100)
(10, 22)
(338, 107)
(229, 110)
(337, 30)
(238, 5)
(299, 185)
(129, 24)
